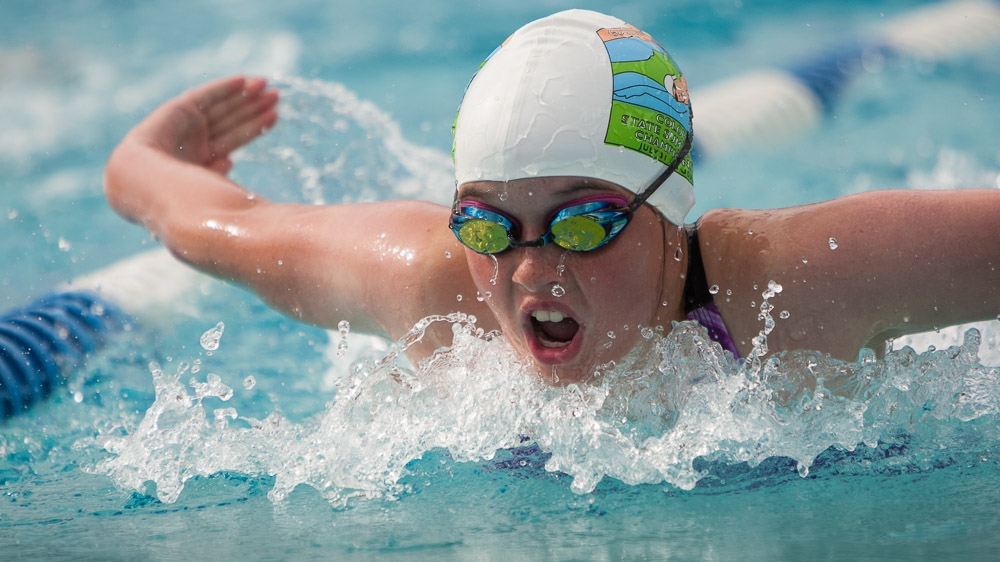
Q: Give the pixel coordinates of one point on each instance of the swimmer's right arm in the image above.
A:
(379, 266)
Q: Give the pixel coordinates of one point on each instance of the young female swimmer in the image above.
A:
(573, 175)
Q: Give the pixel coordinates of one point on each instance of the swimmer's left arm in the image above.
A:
(862, 269)
(944, 247)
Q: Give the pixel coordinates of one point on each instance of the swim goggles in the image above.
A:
(583, 227)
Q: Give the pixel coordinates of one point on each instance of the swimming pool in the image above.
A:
(436, 467)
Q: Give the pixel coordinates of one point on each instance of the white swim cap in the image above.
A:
(579, 93)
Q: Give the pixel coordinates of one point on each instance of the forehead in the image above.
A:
(560, 187)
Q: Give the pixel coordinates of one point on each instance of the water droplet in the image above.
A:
(714, 290)
(647, 333)
(784, 315)
(210, 339)
(611, 334)
(504, 196)
(496, 270)
(678, 254)
(447, 255)
(562, 265)
(774, 287)
(281, 262)
(213, 386)
(558, 290)
(805, 259)
(479, 297)
(729, 292)
(249, 382)
(64, 244)
(344, 327)
(223, 415)
(459, 297)
(12, 214)
(833, 244)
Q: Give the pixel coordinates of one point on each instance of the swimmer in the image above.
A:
(574, 181)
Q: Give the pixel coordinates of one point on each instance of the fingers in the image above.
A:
(222, 102)
(246, 107)
(246, 121)
(220, 117)
(207, 96)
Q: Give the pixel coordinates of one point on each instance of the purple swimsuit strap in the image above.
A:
(709, 317)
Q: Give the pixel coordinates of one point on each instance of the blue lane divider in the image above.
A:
(772, 105)
(828, 74)
(43, 341)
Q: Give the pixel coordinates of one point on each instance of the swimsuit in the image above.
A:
(698, 303)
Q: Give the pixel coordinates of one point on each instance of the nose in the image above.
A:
(537, 268)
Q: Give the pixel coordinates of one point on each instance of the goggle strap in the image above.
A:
(656, 183)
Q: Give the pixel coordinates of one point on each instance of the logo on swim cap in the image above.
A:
(650, 109)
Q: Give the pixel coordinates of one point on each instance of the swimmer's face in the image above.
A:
(572, 319)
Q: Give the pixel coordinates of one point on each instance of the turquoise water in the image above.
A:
(882, 459)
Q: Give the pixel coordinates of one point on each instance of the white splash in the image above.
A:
(678, 403)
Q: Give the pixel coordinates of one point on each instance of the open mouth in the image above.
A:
(553, 329)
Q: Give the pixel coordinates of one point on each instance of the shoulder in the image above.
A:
(817, 255)
(422, 272)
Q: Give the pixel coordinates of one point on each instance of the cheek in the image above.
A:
(619, 289)
(491, 283)
(625, 284)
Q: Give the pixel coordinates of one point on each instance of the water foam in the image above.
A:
(679, 402)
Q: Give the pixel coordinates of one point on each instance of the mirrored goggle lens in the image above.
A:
(483, 236)
(580, 233)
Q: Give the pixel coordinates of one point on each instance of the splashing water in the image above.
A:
(210, 339)
(680, 402)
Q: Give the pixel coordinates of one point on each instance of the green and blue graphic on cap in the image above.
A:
(650, 108)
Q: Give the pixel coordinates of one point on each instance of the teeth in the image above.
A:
(553, 344)
(548, 316)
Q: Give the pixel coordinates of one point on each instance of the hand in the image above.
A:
(206, 124)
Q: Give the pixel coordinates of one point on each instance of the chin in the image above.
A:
(562, 374)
